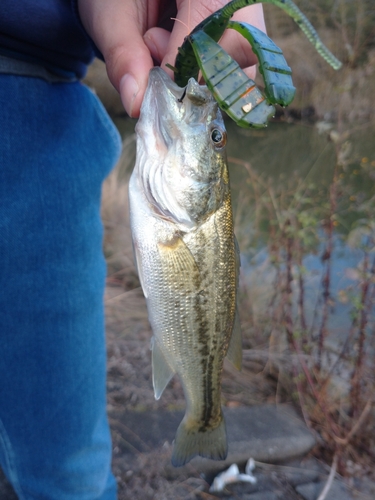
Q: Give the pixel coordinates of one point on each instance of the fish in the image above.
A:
(186, 254)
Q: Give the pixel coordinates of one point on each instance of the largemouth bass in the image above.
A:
(186, 254)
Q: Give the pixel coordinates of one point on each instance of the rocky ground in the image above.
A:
(143, 429)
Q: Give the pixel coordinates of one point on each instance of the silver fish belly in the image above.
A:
(186, 254)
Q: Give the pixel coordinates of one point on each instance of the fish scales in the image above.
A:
(187, 259)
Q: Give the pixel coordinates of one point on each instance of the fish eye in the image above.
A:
(218, 137)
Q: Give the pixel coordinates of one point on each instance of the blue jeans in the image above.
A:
(57, 144)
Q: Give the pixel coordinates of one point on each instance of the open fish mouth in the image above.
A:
(163, 88)
(180, 147)
(160, 82)
(169, 105)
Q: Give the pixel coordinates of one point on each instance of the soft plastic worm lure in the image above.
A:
(234, 91)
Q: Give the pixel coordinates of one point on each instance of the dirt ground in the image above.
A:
(145, 475)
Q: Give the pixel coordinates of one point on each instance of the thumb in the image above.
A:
(128, 68)
(116, 29)
(189, 14)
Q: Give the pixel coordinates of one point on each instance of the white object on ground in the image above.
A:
(233, 475)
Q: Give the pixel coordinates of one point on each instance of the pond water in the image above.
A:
(304, 200)
(291, 180)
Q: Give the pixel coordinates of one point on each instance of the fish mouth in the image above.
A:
(176, 156)
(198, 94)
(162, 107)
(164, 86)
(168, 109)
(176, 104)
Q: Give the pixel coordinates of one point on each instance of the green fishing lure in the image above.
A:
(234, 91)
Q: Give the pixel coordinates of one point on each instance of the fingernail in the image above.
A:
(128, 89)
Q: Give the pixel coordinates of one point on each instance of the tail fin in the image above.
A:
(208, 443)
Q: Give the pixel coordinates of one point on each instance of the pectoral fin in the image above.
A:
(161, 371)
(234, 353)
(177, 256)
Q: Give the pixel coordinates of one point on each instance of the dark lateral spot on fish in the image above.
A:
(203, 328)
(207, 345)
(208, 395)
(204, 352)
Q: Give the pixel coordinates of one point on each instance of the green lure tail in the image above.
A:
(299, 17)
(276, 73)
(186, 65)
(234, 91)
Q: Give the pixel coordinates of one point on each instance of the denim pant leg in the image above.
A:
(57, 144)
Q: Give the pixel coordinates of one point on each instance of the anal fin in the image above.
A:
(161, 371)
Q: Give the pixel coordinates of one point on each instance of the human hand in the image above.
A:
(128, 34)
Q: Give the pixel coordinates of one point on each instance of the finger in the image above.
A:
(156, 40)
(189, 14)
(251, 72)
(193, 12)
(128, 70)
(117, 28)
(235, 44)
(253, 14)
